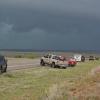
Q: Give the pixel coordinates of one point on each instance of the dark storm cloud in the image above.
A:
(53, 15)
(90, 6)
(25, 20)
(31, 22)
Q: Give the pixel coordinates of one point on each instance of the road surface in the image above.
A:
(21, 63)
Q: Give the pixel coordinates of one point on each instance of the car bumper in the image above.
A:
(62, 65)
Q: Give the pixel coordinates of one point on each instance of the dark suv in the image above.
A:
(3, 64)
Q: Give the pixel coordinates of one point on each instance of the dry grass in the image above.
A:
(45, 83)
(87, 89)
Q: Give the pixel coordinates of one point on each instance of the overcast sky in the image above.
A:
(50, 24)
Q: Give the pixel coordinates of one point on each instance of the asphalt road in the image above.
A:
(22, 63)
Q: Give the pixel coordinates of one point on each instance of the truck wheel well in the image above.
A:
(53, 64)
(42, 62)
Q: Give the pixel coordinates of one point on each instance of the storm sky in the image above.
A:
(50, 24)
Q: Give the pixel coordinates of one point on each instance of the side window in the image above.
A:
(57, 58)
(53, 57)
(49, 56)
(46, 56)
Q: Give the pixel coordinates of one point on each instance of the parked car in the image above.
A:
(72, 62)
(3, 64)
(57, 61)
(53, 61)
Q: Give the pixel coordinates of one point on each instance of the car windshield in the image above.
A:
(62, 58)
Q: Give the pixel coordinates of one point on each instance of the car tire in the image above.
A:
(42, 63)
(53, 65)
(64, 67)
(72, 65)
(3, 68)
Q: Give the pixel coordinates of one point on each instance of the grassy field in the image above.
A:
(33, 54)
(14, 54)
(45, 83)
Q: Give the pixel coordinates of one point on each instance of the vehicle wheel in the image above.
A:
(42, 63)
(72, 65)
(64, 67)
(3, 68)
(0, 69)
(53, 65)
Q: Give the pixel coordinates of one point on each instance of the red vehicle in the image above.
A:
(72, 62)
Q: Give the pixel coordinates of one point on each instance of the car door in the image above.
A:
(50, 59)
(46, 60)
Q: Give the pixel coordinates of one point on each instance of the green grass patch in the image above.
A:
(13, 54)
(27, 55)
(43, 83)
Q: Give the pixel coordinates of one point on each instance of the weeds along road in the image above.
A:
(22, 63)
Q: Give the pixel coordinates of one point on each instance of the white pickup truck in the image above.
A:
(53, 61)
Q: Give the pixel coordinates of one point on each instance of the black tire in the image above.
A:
(3, 68)
(53, 65)
(83, 58)
(42, 63)
(0, 69)
(72, 65)
(64, 67)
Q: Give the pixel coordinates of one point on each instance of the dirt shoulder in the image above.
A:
(87, 88)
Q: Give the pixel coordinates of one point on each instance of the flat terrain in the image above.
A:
(21, 63)
(45, 83)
